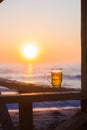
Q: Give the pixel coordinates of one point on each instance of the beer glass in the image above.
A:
(56, 77)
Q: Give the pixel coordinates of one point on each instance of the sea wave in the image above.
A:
(75, 77)
(38, 76)
(49, 76)
(49, 105)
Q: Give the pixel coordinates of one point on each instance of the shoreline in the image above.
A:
(47, 119)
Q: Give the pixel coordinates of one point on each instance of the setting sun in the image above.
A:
(30, 51)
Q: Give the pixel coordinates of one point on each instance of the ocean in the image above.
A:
(40, 74)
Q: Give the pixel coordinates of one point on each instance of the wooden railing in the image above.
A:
(25, 103)
(29, 93)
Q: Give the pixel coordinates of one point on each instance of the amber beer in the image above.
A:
(56, 77)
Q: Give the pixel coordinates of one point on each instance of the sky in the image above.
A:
(52, 25)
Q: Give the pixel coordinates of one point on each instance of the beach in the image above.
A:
(45, 119)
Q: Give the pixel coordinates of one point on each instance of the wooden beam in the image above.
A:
(84, 52)
(25, 116)
(5, 118)
(25, 103)
(41, 97)
(22, 87)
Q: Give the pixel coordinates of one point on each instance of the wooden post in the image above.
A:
(25, 116)
(1, 1)
(84, 53)
(5, 118)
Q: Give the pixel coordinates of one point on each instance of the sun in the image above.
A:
(30, 51)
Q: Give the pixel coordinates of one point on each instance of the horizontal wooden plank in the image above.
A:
(40, 97)
(22, 87)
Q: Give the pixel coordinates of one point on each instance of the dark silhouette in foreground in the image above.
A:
(1, 1)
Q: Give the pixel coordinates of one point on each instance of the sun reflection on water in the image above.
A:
(29, 73)
(30, 70)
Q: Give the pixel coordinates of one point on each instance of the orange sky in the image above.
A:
(54, 26)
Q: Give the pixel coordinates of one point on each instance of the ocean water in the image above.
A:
(40, 73)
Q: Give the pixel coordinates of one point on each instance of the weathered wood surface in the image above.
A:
(22, 87)
(5, 118)
(84, 52)
(41, 97)
(26, 116)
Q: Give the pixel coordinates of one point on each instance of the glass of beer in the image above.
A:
(56, 77)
